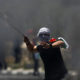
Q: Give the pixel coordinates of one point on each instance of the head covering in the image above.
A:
(43, 30)
(41, 34)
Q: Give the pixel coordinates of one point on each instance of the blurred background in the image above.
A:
(61, 16)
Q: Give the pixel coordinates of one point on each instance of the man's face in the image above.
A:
(44, 37)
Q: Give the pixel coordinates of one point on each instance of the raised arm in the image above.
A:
(30, 46)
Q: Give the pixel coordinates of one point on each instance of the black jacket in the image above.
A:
(53, 63)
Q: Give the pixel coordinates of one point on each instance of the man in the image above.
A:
(36, 59)
(50, 53)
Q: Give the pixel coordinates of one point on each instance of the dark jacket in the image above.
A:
(53, 63)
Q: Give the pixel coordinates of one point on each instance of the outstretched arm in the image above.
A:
(57, 43)
(30, 46)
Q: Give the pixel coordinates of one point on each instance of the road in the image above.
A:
(28, 75)
(24, 75)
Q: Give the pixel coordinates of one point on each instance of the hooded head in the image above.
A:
(44, 34)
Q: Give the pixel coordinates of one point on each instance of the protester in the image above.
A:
(50, 53)
(36, 59)
(36, 64)
(17, 51)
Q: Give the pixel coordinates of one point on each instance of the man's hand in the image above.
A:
(65, 45)
(45, 45)
(29, 45)
(26, 40)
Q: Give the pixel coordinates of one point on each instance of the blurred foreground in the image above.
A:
(20, 74)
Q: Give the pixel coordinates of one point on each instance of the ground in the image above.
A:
(20, 75)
